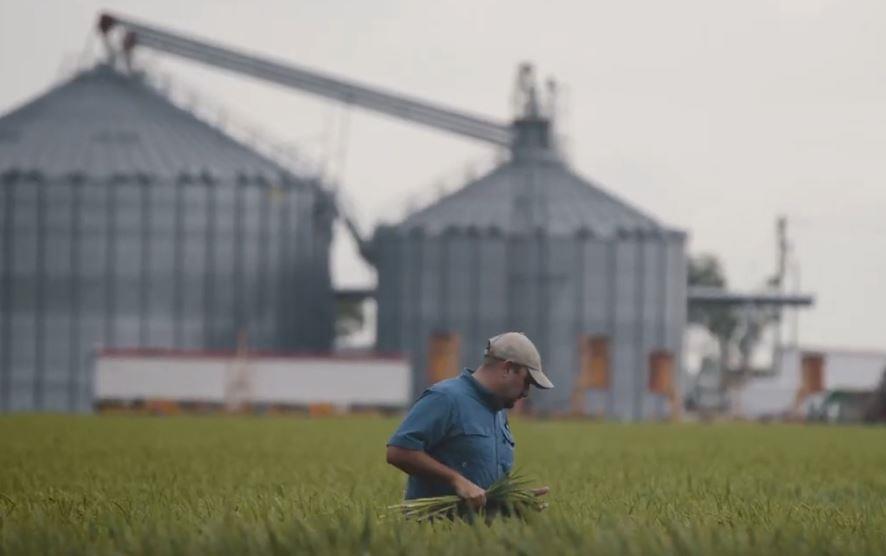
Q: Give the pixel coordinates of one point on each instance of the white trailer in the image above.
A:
(842, 369)
(237, 379)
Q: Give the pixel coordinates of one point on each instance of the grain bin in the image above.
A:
(532, 246)
(128, 222)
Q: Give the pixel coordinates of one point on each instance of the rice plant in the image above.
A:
(511, 495)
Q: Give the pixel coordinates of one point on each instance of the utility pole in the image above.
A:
(781, 255)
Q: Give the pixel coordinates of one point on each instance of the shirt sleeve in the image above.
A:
(426, 424)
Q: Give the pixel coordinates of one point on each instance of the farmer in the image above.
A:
(456, 438)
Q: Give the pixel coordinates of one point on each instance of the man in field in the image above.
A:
(456, 438)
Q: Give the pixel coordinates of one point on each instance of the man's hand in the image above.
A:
(469, 492)
(541, 491)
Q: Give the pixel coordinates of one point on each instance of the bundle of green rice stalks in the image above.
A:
(508, 496)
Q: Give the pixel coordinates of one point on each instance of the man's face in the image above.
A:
(515, 383)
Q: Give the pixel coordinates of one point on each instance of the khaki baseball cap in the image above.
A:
(517, 348)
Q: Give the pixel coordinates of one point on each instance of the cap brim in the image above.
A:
(541, 380)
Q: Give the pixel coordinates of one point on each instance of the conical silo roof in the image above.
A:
(534, 191)
(103, 123)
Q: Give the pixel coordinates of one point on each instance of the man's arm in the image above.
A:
(427, 424)
(418, 462)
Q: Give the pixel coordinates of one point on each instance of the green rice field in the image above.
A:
(278, 485)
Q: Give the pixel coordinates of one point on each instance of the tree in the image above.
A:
(738, 330)
(720, 320)
(349, 317)
(876, 410)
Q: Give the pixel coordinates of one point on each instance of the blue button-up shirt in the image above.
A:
(460, 424)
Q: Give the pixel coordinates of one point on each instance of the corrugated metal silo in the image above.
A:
(128, 222)
(532, 246)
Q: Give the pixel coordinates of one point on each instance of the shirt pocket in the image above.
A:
(477, 444)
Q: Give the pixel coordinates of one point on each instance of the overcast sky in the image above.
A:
(715, 117)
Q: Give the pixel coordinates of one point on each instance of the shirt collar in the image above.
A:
(482, 393)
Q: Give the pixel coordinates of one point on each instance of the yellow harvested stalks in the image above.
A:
(508, 496)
